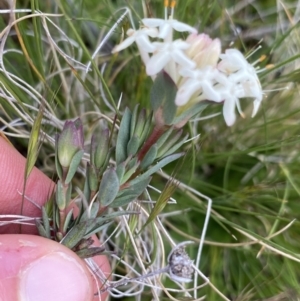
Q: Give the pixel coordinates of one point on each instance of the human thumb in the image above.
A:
(34, 268)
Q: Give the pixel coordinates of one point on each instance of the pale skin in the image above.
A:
(32, 267)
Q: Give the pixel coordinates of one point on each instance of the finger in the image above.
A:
(35, 268)
(38, 187)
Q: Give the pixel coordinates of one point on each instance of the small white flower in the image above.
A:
(198, 81)
(242, 82)
(166, 52)
(231, 93)
(166, 26)
(141, 37)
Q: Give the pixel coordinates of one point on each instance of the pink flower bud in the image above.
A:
(203, 50)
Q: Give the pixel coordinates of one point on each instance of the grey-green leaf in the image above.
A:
(162, 96)
(74, 165)
(149, 157)
(192, 111)
(133, 145)
(131, 193)
(123, 137)
(156, 167)
(90, 252)
(109, 187)
(74, 236)
(46, 222)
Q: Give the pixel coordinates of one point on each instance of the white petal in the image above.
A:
(229, 111)
(210, 92)
(180, 58)
(165, 30)
(153, 22)
(186, 91)
(256, 105)
(127, 42)
(145, 44)
(151, 32)
(179, 44)
(157, 62)
(186, 72)
(179, 26)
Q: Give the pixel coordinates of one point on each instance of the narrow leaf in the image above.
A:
(74, 165)
(90, 252)
(74, 236)
(109, 187)
(46, 223)
(123, 137)
(162, 96)
(157, 167)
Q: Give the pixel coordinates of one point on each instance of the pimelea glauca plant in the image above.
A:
(106, 170)
(188, 75)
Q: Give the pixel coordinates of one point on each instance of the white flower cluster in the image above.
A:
(196, 65)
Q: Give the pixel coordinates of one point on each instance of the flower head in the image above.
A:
(196, 66)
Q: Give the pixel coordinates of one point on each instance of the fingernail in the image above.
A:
(55, 276)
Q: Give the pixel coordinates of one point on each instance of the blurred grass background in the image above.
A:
(251, 170)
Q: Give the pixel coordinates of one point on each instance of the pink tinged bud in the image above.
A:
(203, 50)
(70, 141)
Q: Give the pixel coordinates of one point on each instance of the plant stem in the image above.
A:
(155, 135)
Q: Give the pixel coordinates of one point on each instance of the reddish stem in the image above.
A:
(155, 135)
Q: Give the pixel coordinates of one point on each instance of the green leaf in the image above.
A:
(161, 202)
(90, 252)
(176, 146)
(146, 129)
(67, 221)
(41, 229)
(109, 187)
(92, 177)
(74, 236)
(73, 166)
(120, 170)
(190, 112)
(156, 167)
(164, 137)
(162, 96)
(149, 157)
(57, 164)
(60, 196)
(140, 124)
(129, 173)
(46, 224)
(90, 213)
(133, 145)
(131, 193)
(134, 119)
(169, 143)
(123, 137)
(95, 228)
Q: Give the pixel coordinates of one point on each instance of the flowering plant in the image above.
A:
(196, 66)
(115, 175)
